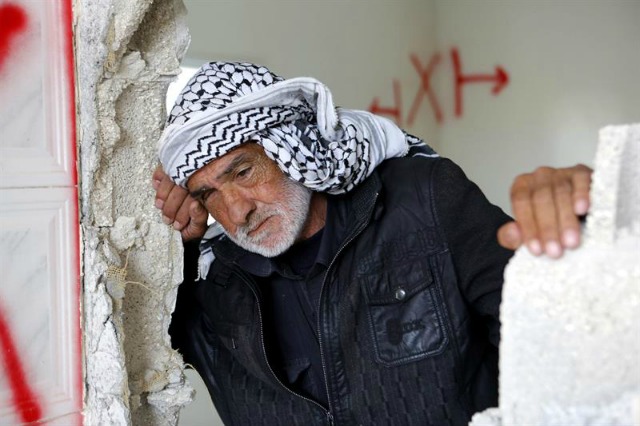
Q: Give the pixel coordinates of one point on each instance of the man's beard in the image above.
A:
(276, 240)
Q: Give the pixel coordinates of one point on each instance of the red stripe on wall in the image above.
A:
(24, 399)
(67, 23)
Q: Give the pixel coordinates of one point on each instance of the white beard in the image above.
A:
(271, 241)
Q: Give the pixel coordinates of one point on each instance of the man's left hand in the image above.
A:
(546, 205)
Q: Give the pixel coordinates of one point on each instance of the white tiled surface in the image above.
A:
(39, 254)
(38, 292)
(34, 103)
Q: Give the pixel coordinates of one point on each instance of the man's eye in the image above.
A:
(244, 172)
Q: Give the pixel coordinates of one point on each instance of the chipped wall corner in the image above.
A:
(127, 52)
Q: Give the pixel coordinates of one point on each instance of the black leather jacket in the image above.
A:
(408, 318)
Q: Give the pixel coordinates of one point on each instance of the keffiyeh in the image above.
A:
(325, 148)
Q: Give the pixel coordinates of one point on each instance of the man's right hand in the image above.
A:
(546, 205)
(178, 208)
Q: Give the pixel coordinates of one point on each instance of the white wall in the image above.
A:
(573, 65)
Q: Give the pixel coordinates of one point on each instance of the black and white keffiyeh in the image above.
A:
(325, 148)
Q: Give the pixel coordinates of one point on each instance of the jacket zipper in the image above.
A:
(247, 281)
(324, 281)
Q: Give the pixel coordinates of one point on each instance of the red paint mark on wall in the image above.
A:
(67, 19)
(425, 88)
(500, 78)
(13, 20)
(24, 398)
(396, 111)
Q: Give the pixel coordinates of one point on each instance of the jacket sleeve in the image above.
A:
(192, 335)
(470, 223)
(186, 303)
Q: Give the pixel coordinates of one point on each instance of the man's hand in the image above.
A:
(546, 205)
(178, 208)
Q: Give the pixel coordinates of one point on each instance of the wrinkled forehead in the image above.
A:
(247, 153)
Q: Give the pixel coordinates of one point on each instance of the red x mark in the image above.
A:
(425, 88)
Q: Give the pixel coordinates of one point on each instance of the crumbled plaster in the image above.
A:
(127, 52)
(571, 328)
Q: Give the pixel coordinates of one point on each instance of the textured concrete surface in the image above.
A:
(571, 328)
(127, 52)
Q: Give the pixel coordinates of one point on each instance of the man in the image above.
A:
(353, 276)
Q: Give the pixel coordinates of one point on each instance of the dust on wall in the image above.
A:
(127, 52)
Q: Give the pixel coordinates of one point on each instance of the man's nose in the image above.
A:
(239, 206)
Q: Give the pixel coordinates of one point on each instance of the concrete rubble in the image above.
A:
(571, 328)
(127, 52)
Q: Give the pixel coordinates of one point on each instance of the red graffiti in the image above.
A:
(67, 19)
(24, 399)
(13, 20)
(425, 88)
(396, 111)
(500, 78)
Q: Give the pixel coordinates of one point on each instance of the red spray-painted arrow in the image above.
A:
(396, 112)
(500, 78)
(24, 398)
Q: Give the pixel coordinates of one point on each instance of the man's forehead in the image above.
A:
(247, 151)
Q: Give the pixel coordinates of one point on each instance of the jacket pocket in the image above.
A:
(405, 314)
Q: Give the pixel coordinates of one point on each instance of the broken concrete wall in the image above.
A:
(127, 52)
(571, 328)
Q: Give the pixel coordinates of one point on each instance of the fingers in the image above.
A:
(182, 216)
(197, 224)
(521, 196)
(175, 199)
(545, 211)
(545, 205)
(509, 236)
(567, 222)
(169, 197)
(177, 207)
(581, 180)
(163, 186)
(158, 176)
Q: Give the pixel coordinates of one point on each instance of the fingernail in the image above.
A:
(570, 238)
(166, 220)
(534, 247)
(553, 249)
(177, 226)
(581, 207)
(159, 203)
(155, 184)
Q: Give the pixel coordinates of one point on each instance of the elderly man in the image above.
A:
(353, 276)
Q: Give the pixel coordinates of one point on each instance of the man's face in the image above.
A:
(260, 209)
